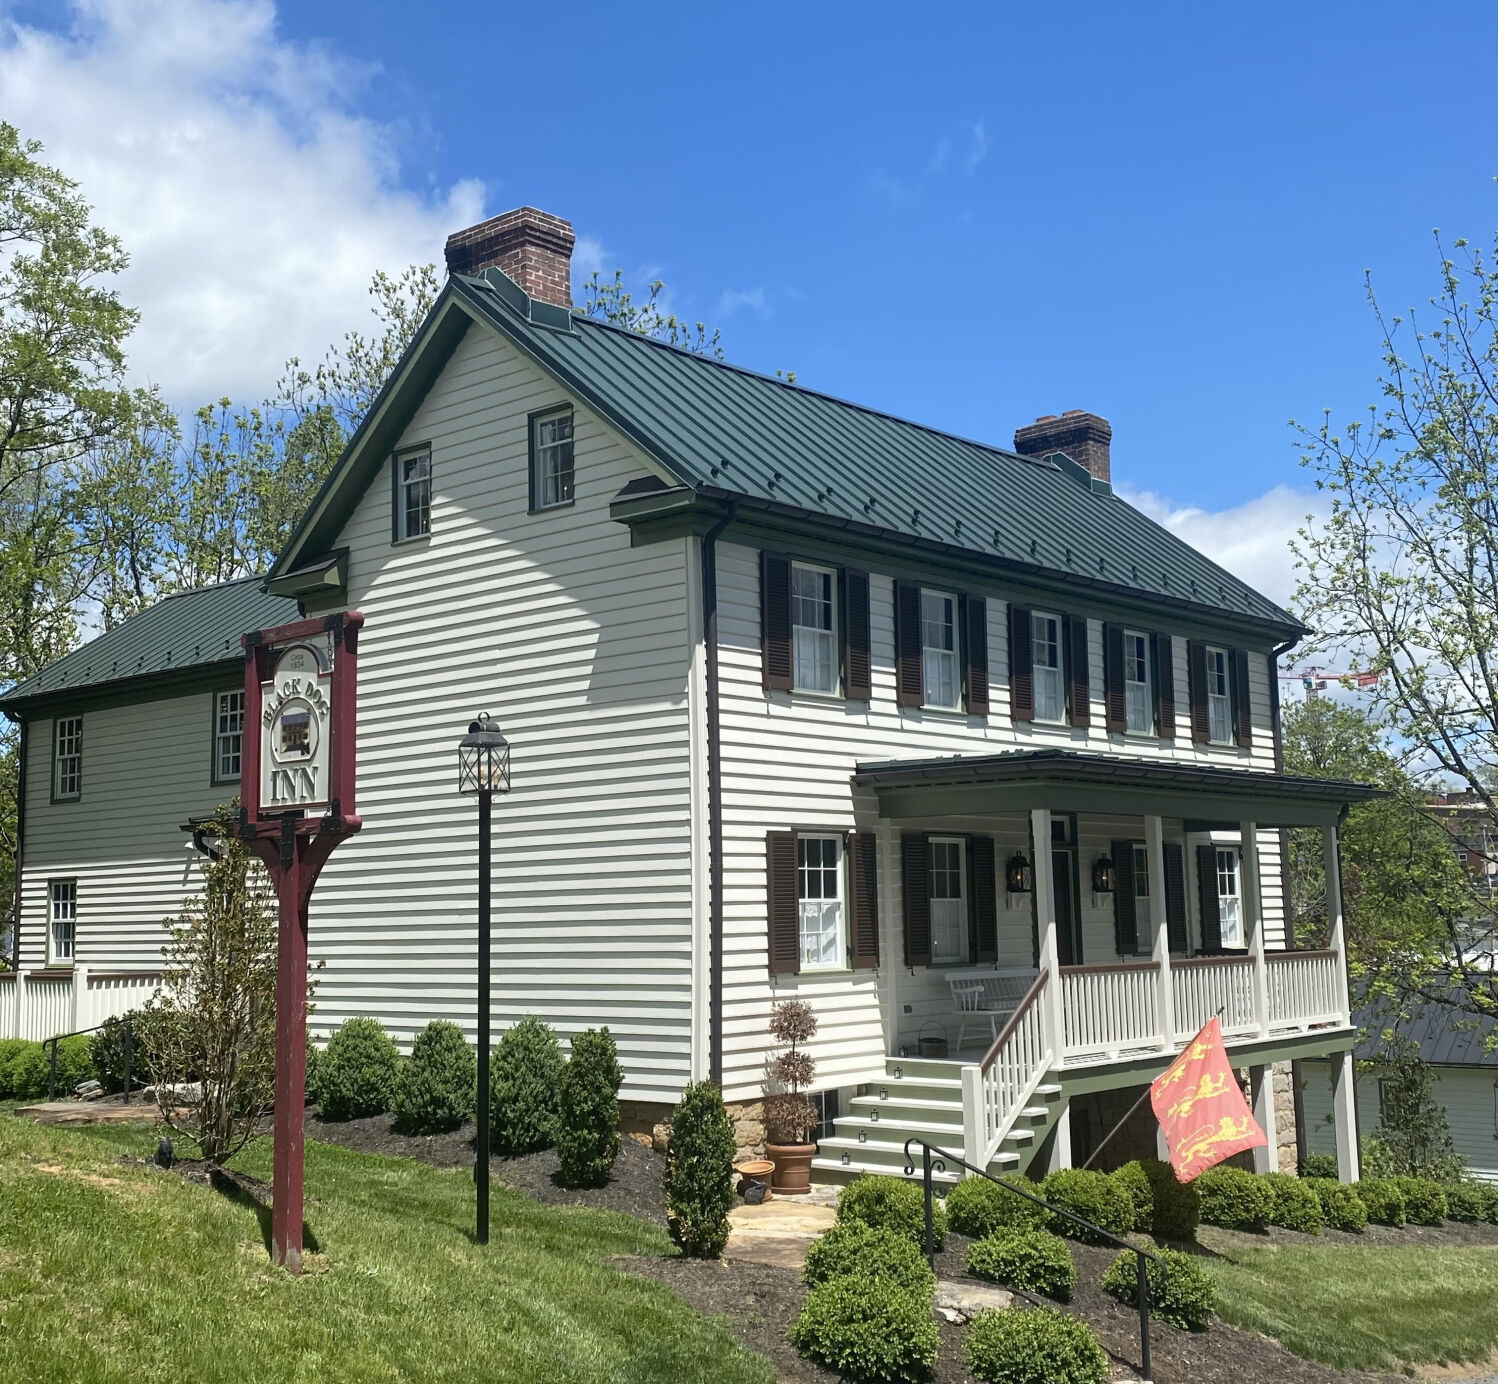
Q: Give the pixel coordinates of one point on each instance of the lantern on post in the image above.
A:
(1019, 878)
(483, 770)
(1103, 874)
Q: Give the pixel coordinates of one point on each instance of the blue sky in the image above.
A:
(967, 215)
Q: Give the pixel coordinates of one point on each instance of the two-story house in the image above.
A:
(804, 699)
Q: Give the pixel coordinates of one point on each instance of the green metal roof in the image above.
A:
(190, 630)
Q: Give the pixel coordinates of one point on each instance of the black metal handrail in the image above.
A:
(56, 1038)
(930, 1165)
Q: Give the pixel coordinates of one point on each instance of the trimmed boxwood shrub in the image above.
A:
(1177, 1205)
(1181, 1291)
(107, 1052)
(588, 1137)
(850, 1247)
(27, 1073)
(1341, 1206)
(1424, 1200)
(1098, 1197)
(11, 1052)
(1017, 1345)
(434, 1091)
(698, 1181)
(1234, 1199)
(976, 1207)
(75, 1065)
(1384, 1200)
(1490, 1204)
(357, 1071)
(1296, 1205)
(1465, 1201)
(524, 1112)
(1321, 1166)
(1133, 1179)
(1034, 1261)
(868, 1329)
(892, 1203)
(25, 1067)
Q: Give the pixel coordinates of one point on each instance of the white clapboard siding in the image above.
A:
(787, 761)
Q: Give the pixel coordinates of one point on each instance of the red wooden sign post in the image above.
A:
(297, 804)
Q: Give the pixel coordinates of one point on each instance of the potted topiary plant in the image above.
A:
(789, 1116)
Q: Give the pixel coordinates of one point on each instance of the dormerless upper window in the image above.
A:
(948, 900)
(551, 459)
(941, 682)
(1045, 647)
(819, 892)
(1229, 897)
(67, 757)
(813, 628)
(1137, 692)
(228, 735)
(1219, 696)
(62, 918)
(413, 495)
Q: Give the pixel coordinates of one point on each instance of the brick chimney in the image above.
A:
(534, 248)
(1083, 436)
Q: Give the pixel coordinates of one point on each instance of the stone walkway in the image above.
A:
(777, 1231)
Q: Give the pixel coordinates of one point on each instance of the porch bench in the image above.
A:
(989, 993)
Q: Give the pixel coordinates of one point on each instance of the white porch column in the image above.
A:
(1345, 1117)
(20, 1004)
(1332, 859)
(80, 997)
(1154, 846)
(1045, 913)
(1251, 902)
(1061, 1144)
(1261, 1087)
(1162, 1148)
(891, 960)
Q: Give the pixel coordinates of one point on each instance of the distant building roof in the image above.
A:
(1447, 1036)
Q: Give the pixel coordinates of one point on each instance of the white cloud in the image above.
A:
(254, 202)
(1251, 540)
(977, 150)
(732, 299)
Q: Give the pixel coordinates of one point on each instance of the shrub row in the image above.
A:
(25, 1067)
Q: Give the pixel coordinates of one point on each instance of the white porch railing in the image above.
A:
(1208, 985)
(1305, 988)
(38, 1005)
(1110, 1009)
(995, 1090)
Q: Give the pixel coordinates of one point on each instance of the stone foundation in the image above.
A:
(646, 1122)
(748, 1118)
(1284, 1132)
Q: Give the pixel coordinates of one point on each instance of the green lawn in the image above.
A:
(1382, 1308)
(115, 1273)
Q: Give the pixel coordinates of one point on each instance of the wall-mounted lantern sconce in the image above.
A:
(1102, 874)
(1019, 878)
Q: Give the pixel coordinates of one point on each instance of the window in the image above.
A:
(413, 495)
(1045, 646)
(1219, 698)
(67, 757)
(62, 915)
(1229, 899)
(1143, 923)
(948, 901)
(551, 459)
(1137, 695)
(939, 649)
(813, 629)
(819, 891)
(228, 735)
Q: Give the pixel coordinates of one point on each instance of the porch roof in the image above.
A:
(1205, 796)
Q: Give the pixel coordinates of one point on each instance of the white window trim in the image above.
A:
(836, 689)
(58, 759)
(220, 736)
(1148, 684)
(840, 958)
(1144, 923)
(53, 959)
(1226, 696)
(537, 451)
(954, 653)
(402, 485)
(962, 957)
(1060, 719)
(1242, 933)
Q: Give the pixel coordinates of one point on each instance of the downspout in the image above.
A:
(714, 796)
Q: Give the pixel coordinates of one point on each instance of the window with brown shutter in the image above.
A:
(975, 653)
(858, 668)
(1079, 673)
(915, 889)
(909, 689)
(863, 856)
(775, 621)
(1115, 698)
(980, 855)
(1163, 665)
(1175, 898)
(783, 912)
(1196, 678)
(1125, 916)
(1242, 709)
(1021, 665)
(1211, 907)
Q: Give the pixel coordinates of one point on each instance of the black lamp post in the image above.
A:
(484, 769)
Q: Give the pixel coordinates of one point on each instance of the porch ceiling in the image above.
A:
(1073, 781)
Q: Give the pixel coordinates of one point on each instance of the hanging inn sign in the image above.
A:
(297, 804)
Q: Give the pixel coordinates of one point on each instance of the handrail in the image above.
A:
(1031, 995)
(78, 1032)
(929, 1165)
(1110, 968)
(1192, 962)
(1325, 954)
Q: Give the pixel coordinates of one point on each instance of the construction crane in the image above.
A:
(1316, 679)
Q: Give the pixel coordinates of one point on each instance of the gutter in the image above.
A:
(714, 797)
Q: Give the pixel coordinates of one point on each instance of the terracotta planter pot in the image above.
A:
(792, 1166)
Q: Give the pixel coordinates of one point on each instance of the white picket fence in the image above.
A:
(39, 1005)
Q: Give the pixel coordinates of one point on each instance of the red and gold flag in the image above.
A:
(1201, 1108)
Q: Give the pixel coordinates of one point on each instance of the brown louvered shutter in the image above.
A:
(863, 856)
(1163, 665)
(975, 653)
(1078, 672)
(1125, 918)
(782, 904)
(1196, 677)
(775, 621)
(915, 887)
(1242, 709)
(909, 688)
(985, 888)
(858, 667)
(1206, 888)
(1175, 897)
(1115, 697)
(1021, 664)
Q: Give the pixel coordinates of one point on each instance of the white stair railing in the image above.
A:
(995, 1090)
(1110, 1009)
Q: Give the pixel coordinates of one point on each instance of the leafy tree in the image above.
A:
(1412, 1124)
